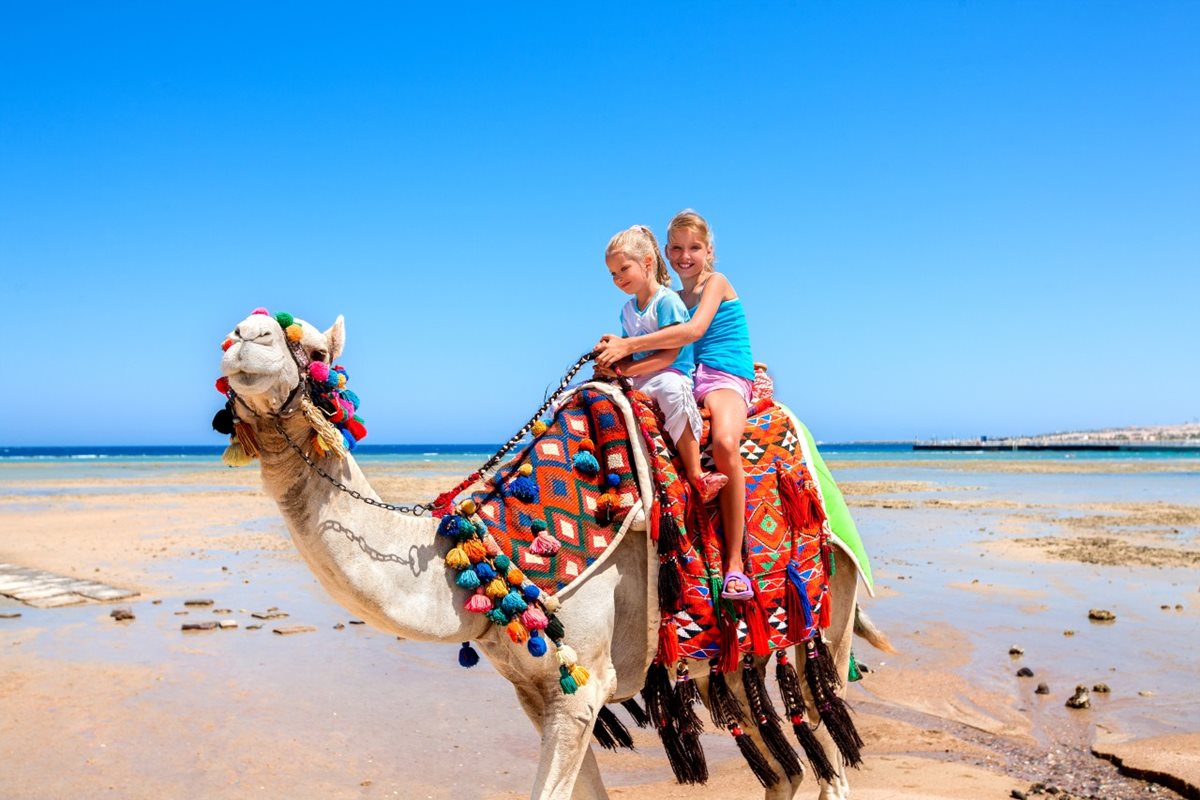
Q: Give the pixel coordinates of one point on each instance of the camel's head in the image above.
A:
(264, 356)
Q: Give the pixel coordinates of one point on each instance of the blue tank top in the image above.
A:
(726, 343)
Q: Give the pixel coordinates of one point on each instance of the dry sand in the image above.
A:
(98, 708)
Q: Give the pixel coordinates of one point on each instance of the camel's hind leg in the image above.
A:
(588, 783)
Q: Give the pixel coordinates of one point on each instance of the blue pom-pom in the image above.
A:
(513, 603)
(536, 645)
(484, 571)
(531, 592)
(467, 579)
(614, 480)
(586, 463)
(497, 616)
(349, 440)
(467, 657)
(502, 562)
(352, 398)
(449, 526)
(524, 489)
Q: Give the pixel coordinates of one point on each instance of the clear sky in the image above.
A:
(944, 218)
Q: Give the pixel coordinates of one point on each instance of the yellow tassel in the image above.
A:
(331, 438)
(497, 589)
(580, 674)
(515, 576)
(467, 507)
(538, 428)
(517, 632)
(235, 455)
(525, 469)
(566, 656)
(457, 559)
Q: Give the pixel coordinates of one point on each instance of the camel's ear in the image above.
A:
(336, 338)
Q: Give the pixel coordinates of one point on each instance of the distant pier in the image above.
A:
(1000, 446)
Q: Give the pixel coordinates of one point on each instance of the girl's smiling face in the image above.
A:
(629, 274)
(689, 253)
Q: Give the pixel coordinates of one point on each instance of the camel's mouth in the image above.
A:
(251, 382)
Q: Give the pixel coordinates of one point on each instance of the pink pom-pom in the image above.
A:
(260, 310)
(318, 370)
(347, 406)
(479, 603)
(545, 545)
(534, 619)
(491, 546)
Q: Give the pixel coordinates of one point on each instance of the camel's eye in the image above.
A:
(319, 355)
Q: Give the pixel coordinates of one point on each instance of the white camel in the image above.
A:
(387, 569)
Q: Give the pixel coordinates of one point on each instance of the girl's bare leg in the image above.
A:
(728, 409)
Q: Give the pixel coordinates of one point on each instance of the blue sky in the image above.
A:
(944, 218)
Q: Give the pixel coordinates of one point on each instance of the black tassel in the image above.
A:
(640, 717)
(756, 691)
(754, 757)
(657, 695)
(668, 533)
(614, 731)
(813, 750)
(684, 754)
(823, 683)
(687, 694)
(777, 743)
(554, 629)
(789, 685)
(724, 706)
(670, 587)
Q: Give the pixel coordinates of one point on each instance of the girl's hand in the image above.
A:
(611, 349)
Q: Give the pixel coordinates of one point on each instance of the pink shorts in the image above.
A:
(707, 380)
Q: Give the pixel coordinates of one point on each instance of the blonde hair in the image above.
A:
(639, 242)
(689, 219)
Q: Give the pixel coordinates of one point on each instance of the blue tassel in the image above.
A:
(524, 489)
(614, 480)
(586, 463)
(793, 573)
(536, 645)
(467, 579)
(449, 526)
(513, 603)
(531, 592)
(349, 440)
(467, 657)
(497, 616)
(484, 571)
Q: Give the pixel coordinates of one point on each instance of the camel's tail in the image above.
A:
(867, 630)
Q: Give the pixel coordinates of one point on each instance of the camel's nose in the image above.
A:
(252, 331)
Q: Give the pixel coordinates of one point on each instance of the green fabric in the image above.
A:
(840, 521)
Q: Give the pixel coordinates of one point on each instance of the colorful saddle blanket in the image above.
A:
(561, 504)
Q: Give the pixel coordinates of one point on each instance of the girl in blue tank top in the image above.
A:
(724, 372)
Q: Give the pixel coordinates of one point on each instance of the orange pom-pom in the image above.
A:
(587, 445)
(515, 576)
(295, 332)
(517, 632)
(474, 550)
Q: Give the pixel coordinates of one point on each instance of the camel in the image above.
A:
(386, 568)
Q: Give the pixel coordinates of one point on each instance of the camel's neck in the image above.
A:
(380, 565)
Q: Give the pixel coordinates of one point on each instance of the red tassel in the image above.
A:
(655, 511)
(760, 631)
(824, 614)
(791, 499)
(668, 642)
(797, 630)
(731, 656)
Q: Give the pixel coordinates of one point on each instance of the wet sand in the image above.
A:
(138, 709)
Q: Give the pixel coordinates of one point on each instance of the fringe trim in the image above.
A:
(610, 732)
(639, 715)
(754, 757)
(723, 705)
(823, 683)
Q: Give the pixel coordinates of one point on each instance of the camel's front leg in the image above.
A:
(567, 770)
(588, 784)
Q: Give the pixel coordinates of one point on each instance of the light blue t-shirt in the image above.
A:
(664, 309)
(726, 343)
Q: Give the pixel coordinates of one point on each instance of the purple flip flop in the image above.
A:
(746, 594)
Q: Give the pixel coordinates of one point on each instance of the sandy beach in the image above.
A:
(971, 557)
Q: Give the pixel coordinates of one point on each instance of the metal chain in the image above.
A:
(421, 508)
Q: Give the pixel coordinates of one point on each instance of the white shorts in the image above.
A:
(673, 392)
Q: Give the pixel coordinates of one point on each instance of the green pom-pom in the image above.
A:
(538, 525)
(497, 616)
(284, 319)
(566, 681)
(502, 563)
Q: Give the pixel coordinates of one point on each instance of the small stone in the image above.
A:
(1165, 607)
(226, 624)
(288, 630)
(181, 613)
(1024, 672)
(1042, 689)
(270, 613)
(11, 615)
(1101, 615)
(122, 614)
(198, 602)
(222, 611)
(1145, 693)
(1080, 699)
(1068, 632)
(1018, 794)
(156, 602)
(339, 626)
(357, 622)
(253, 627)
(1179, 606)
(1016, 651)
(211, 625)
